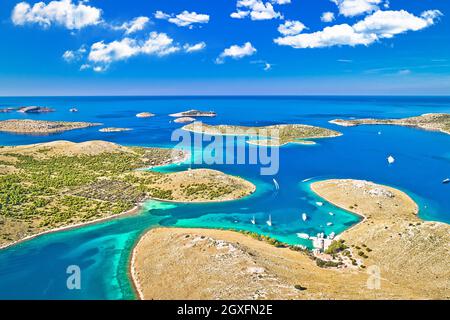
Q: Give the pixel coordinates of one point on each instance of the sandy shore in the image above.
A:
(411, 255)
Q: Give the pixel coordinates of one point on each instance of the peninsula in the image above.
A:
(411, 255)
(274, 135)
(428, 121)
(59, 184)
(38, 127)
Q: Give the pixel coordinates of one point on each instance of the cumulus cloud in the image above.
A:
(102, 54)
(257, 10)
(290, 28)
(184, 19)
(135, 25)
(239, 14)
(379, 25)
(327, 17)
(64, 13)
(351, 8)
(281, 1)
(74, 55)
(194, 47)
(236, 52)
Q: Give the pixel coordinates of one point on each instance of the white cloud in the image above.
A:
(264, 64)
(63, 12)
(236, 52)
(239, 14)
(102, 54)
(386, 24)
(161, 15)
(135, 25)
(257, 10)
(351, 8)
(290, 28)
(379, 25)
(72, 56)
(281, 1)
(195, 47)
(327, 17)
(184, 19)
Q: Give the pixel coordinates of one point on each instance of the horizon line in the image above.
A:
(226, 95)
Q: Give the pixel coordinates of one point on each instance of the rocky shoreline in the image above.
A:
(26, 126)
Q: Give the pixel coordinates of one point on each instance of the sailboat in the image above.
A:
(331, 213)
(277, 186)
(303, 236)
(269, 222)
(319, 203)
(304, 217)
(253, 220)
(446, 181)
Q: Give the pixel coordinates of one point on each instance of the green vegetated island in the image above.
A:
(58, 184)
(274, 135)
(37, 127)
(429, 121)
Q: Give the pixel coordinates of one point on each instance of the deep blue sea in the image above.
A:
(36, 269)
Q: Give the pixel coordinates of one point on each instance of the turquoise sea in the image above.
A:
(36, 269)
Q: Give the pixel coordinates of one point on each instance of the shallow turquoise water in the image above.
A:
(36, 269)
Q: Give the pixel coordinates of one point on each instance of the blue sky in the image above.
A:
(224, 47)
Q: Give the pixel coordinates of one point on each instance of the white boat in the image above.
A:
(329, 223)
(319, 203)
(269, 222)
(331, 213)
(277, 186)
(253, 220)
(446, 181)
(390, 159)
(304, 217)
(303, 236)
(307, 179)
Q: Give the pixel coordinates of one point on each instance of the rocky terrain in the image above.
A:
(61, 183)
(194, 113)
(410, 255)
(275, 135)
(25, 126)
(429, 121)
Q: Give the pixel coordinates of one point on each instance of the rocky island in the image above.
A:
(184, 120)
(37, 127)
(194, 113)
(34, 109)
(429, 121)
(412, 256)
(59, 184)
(112, 129)
(145, 115)
(274, 135)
